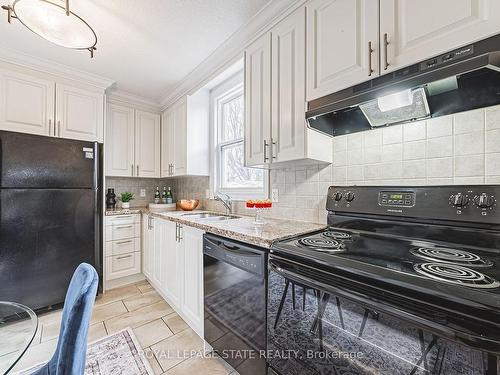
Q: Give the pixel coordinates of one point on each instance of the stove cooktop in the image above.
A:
(412, 260)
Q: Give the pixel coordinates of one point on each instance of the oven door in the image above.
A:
(314, 330)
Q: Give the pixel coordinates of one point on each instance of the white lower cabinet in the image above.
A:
(122, 246)
(173, 264)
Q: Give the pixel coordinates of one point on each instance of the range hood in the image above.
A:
(460, 80)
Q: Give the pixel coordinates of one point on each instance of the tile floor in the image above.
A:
(155, 324)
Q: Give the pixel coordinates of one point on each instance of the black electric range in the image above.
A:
(403, 281)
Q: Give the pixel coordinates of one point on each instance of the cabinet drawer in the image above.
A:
(123, 219)
(123, 265)
(119, 247)
(122, 231)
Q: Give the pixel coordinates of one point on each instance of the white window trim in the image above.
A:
(226, 91)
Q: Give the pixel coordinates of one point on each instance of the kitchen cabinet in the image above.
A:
(29, 104)
(147, 144)
(258, 101)
(79, 114)
(275, 103)
(409, 35)
(132, 142)
(349, 42)
(122, 249)
(173, 263)
(120, 135)
(343, 42)
(26, 103)
(183, 155)
(192, 303)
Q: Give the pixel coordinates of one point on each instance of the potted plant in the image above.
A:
(125, 198)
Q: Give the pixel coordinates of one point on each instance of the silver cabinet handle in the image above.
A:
(137, 170)
(124, 227)
(180, 229)
(172, 173)
(273, 147)
(265, 151)
(50, 128)
(370, 53)
(124, 257)
(176, 232)
(58, 128)
(123, 242)
(132, 169)
(386, 43)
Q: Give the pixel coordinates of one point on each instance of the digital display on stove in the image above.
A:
(398, 198)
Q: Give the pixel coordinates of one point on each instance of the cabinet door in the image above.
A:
(339, 36)
(179, 139)
(173, 265)
(159, 252)
(147, 144)
(147, 244)
(120, 141)
(166, 148)
(258, 101)
(192, 306)
(26, 104)
(288, 88)
(413, 35)
(79, 114)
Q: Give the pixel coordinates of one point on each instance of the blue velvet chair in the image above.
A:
(69, 357)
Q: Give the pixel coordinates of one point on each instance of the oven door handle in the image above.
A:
(353, 292)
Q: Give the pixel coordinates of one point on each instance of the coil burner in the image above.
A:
(457, 275)
(448, 255)
(322, 244)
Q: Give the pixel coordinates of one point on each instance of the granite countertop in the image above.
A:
(121, 211)
(243, 228)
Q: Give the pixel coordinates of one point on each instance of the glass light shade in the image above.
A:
(48, 19)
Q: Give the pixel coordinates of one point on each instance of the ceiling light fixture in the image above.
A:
(54, 21)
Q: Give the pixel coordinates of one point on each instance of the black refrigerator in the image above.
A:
(50, 215)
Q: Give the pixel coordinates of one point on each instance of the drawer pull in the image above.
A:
(124, 217)
(124, 227)
(123, 242)
(124, 257)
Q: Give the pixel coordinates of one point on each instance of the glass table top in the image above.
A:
(18, 325)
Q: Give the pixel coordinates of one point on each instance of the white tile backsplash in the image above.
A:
(456, 149)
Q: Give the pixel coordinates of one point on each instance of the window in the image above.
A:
(230, 174)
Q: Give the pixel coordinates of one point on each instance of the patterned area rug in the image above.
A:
(119, 353)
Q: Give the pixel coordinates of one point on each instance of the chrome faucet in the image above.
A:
(226, 201)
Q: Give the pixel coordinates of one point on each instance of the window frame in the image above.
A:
(223, 93)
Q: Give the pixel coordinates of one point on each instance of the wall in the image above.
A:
(456, 149)
(182, 188)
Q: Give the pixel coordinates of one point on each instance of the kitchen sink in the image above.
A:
(210, 216)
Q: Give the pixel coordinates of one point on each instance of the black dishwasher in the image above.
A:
(235, 284)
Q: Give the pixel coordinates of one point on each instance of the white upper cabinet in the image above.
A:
(79, 114)
(258, 101)
(416, 30)
(147, 144)
(180, 155)
(342, 44)
(275, 99)
(26, 103)
(288, 88)
(120, 141)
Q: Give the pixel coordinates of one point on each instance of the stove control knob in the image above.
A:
(349, 197)
(459, 200)
(484, 200)
(337, 196)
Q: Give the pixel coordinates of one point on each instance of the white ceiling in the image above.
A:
(147, 47)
